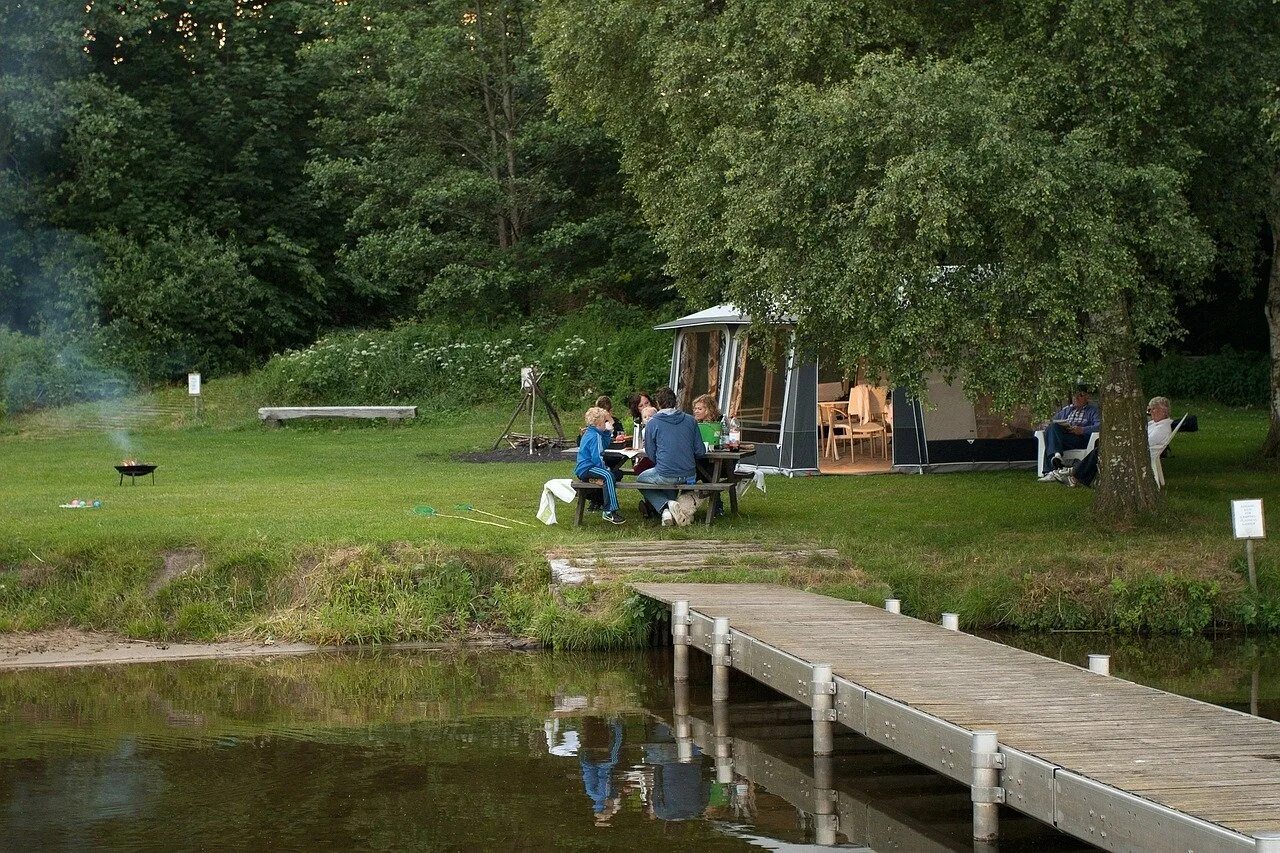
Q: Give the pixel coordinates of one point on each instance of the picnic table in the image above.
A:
(717, 472)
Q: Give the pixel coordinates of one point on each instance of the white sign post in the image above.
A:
(193, 388)
(1246, 523)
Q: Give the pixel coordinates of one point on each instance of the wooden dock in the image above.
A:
(1122, 766)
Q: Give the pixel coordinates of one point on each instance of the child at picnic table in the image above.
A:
(595, 438)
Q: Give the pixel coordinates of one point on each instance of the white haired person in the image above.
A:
(1159, 431)
(595, 438)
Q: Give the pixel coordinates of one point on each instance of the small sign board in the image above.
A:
(193, 384)
(526, 378)
(1246, 519)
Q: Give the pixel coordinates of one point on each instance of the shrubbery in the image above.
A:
(38, 372)
(603, 349)
(1231, 377)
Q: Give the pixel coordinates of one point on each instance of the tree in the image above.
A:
(987, 188)
(458, 190)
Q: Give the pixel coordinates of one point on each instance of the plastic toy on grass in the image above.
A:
(430, 512)
(470, 508)
(79, 504)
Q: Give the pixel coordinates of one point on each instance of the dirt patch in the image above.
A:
(176, 564)
(72, 647)
(516, 454)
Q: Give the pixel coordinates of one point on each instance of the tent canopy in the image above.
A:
(773, 391)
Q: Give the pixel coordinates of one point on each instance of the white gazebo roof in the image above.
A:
(719, 315)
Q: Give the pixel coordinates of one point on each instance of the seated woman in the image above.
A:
(707, 411)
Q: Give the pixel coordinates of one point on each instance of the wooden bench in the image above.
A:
(273, 415)
(582, 487)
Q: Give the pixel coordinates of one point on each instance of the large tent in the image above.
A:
(774, 391)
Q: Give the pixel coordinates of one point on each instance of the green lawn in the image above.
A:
(266, 507)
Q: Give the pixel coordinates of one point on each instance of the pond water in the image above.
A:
(527, 751)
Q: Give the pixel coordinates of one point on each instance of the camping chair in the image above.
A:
(839, 425)
(1156, 452)
(867, 410)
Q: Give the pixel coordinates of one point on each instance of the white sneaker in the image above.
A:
(1051, 477)
(668, 520)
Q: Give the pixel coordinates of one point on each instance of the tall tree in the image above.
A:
(986, 188)
(459, 191)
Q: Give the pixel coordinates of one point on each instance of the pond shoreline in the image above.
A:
(67, 647)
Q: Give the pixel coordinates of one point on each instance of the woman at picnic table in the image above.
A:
(707, 411)
(595, 438)
(637, 403)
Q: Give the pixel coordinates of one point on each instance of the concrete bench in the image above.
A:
(582, 487)
(273, 415)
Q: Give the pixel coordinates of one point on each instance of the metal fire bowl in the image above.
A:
(135, 470)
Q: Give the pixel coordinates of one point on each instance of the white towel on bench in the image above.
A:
(562, 489)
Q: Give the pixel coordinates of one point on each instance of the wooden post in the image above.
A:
(1253, 571)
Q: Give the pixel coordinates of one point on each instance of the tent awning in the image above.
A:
(720, 315)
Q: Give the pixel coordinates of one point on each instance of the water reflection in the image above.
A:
(486, 751)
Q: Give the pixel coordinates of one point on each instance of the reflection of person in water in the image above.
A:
(679, 790)
(600, 744)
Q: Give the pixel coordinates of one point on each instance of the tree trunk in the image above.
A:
(1271, 446)
(1126, 485)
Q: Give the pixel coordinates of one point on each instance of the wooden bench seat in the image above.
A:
(582, 487)
(273, 415)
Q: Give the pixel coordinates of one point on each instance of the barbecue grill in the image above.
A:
(133, 472)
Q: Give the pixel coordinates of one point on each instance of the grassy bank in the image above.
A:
(308, 532)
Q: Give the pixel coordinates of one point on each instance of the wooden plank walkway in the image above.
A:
(578, 564)
(1115, 763)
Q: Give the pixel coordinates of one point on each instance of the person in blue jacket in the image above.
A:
(595, 438)
(672, 441)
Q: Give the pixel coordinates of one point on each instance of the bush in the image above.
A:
(36, 372)
(1231, 377)
(605, 348)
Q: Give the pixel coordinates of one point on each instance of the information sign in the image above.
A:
(1246, 519)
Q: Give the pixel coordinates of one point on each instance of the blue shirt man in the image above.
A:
(1070, 428)
(672, 441)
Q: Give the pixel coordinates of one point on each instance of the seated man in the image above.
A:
(1159, 430)
(672, 441)
(1069, 429)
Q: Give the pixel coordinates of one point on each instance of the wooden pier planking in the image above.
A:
(1213, 764)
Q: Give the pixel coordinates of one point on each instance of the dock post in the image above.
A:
(823, 691)
(986, 792)
(825, 819)
(893, 605)
(1100, 664)
(683, 728)
(1267, 842)
(951, 621)
(680, 639)
(721, 659)
(724, 750)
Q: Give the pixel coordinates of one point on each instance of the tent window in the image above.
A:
(699, 365)
(759, 391)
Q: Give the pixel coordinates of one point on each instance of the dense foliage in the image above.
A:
(196, 184)
(1232, 377)
(602, 349)
(998, 189)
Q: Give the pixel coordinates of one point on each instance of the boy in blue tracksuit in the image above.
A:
(597, 436)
